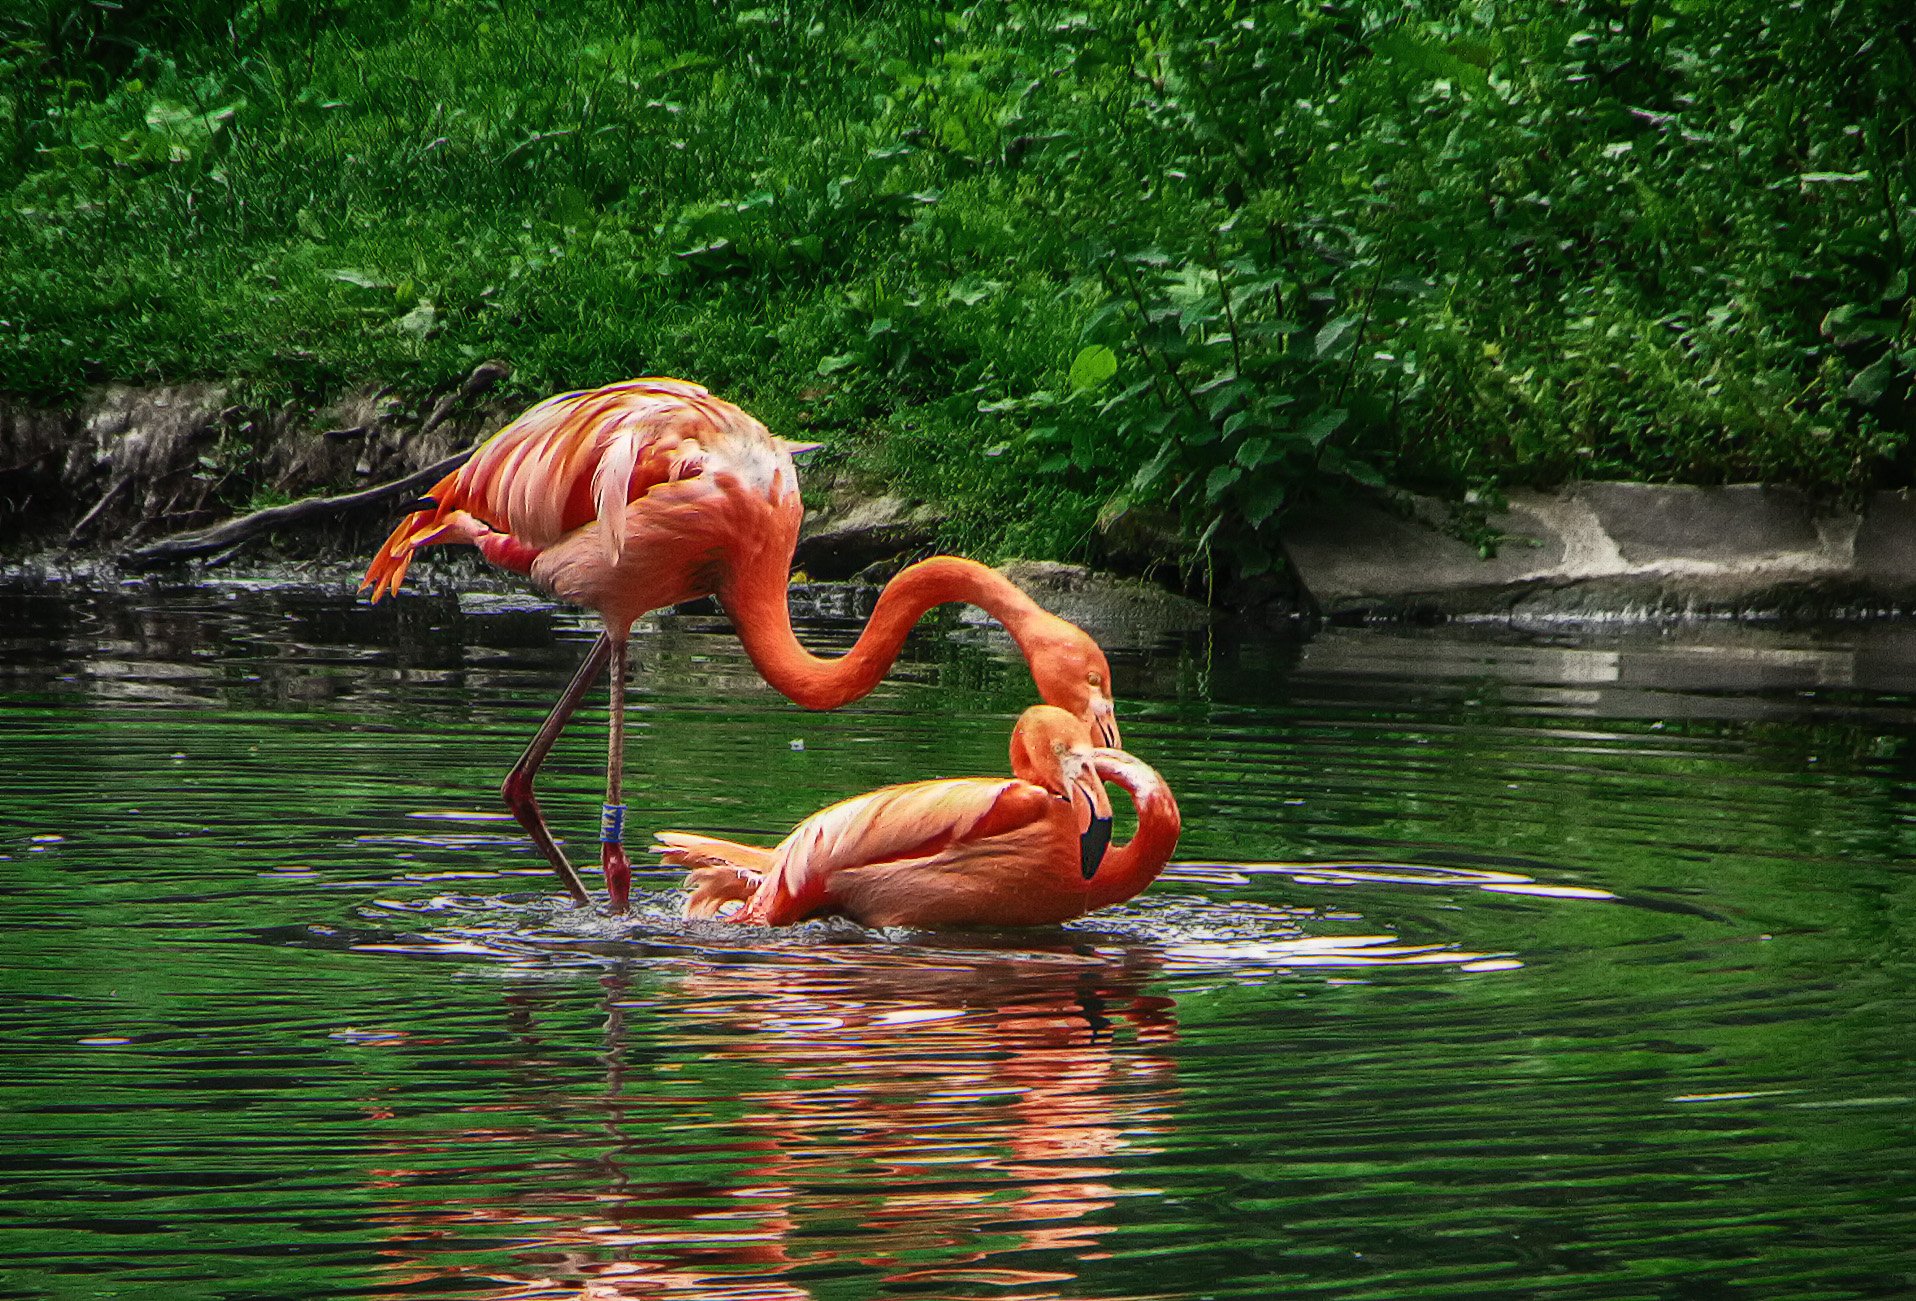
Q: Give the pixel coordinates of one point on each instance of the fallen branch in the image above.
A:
(236, 532)
(184, 546)
(112, 491)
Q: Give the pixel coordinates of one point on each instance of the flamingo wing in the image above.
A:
(568, 461)
(892, 825)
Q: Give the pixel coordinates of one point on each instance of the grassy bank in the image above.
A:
(1049, 264)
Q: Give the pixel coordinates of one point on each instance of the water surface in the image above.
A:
(1571, 967)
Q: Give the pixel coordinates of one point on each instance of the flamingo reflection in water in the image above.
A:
(939, 1118)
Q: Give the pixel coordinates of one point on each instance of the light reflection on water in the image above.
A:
(1488, 969)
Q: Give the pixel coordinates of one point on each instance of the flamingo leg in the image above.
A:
(618, 869)
(518, 791)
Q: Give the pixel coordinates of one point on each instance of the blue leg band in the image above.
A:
(612, 824)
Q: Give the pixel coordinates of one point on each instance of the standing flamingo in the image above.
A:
(971, 851)
(650, 492)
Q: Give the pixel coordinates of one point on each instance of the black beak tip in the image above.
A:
(1091, 846)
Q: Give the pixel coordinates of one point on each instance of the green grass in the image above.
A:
(1049, 264)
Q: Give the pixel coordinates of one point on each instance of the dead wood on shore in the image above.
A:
(234, 533)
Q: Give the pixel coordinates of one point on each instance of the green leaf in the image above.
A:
(1333, 334)
(1870, 382)
(1322, 425)
(1153, 469)
(838, 361)
(1220, 478)
(1846, 324)
(1093, 368)
(1252, 452)
(1262, 498)
(1105, 314)
(1221, 394)
(1336, 462)
(1130, 394)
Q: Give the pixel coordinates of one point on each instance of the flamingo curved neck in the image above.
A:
(1130, 867)
(759, 610)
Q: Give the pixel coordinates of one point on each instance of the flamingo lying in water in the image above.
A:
(651, 492)
(975, 851)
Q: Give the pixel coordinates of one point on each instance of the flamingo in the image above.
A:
(650, 492)
(971, 851)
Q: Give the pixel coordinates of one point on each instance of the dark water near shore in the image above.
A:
(1573, 968)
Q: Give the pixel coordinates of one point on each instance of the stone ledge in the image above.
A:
(1616, 551)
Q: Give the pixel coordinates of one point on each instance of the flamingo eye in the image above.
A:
(1096, 678)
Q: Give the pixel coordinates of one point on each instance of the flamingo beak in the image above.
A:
(1096, 836)
(1104, 721)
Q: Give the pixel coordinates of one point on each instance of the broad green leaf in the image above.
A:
(1093, 368)
(1336, 462)
(1130, 394)
(1261, 498)
(1153, 469)
(1872, 381)
(1333, 334)
(1106, 313)
(1220, 478)
(1322, 425)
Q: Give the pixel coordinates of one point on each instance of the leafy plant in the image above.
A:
(1049, 263)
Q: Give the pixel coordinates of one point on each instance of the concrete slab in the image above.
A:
(1651, 522)
(1365, 549)
(1616, 552)
(1885, 546)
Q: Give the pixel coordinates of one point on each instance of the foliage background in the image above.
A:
(1049, 264)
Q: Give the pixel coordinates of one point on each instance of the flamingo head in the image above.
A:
(1070, 671)
(1052, 749)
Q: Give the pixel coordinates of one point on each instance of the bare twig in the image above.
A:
(113, 490)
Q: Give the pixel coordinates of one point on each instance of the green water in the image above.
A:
(1609, 996)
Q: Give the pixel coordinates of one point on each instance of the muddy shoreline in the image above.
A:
(92, 487)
